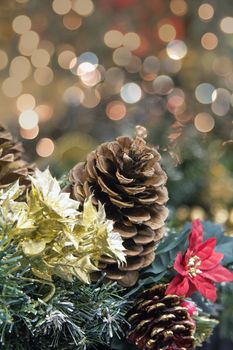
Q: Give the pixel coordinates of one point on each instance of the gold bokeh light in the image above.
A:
(20, 68)
(3, 59)
(11, 87)
(21, 24)
(40, 58)
(25, 102)
(61, 7)
(45, 147)
(83, 7)
(43, 76)
(206, 12)
(113, 39)
(204, 122)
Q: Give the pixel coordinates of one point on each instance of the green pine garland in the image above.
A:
(78, 316)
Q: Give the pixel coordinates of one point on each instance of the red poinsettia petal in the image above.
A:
(219, 274)
(178, 265)
(212, 261)
(192, 289)
(196, 235)
(205, 287)
(179, 286)
(188, 255)
(171, 289)
(206, 249)
(183, 287)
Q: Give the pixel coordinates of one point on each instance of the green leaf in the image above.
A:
(158, 265)
(171, 241)
(224, 243)
(226, 247)
(213, 230)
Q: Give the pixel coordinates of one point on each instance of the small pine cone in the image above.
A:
(159, 322)
(125, 175)
(12, 167)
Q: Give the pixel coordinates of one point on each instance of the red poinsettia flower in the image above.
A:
(199, 267)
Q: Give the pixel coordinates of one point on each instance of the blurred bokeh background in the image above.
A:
(75, 73)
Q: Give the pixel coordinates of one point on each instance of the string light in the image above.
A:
(204, 122)
(122, 56)
(11, 87)
(204, 92)
(206, 12)
(29, 134)
(221, 216)
(21, 24)
(3, 60)
(221, 102)
(44, 112)
(131, 93)
(163, 84)
(91, 78)
(116, 110)
(45, 147)
(178, 7)
(132, 41)
(177, 49)
(176, 101)
(65, 58)
(151, 64)
(61, 7)
(25, 102)
(113, 39)
(167, 32)
(134, 65)
(209, 41)
(28, 42)
(72, 21)
(83, 7)
(43, 76)
(28, 119)
(40, 58)
(226, 25)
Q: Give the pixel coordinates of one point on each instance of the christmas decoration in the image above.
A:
(12, 166)
(199, 268)
(52, 244)
(158, 321)
(59, 240)
(125, 176)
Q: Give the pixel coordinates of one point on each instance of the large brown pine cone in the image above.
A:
(12, 167)
(125, 175)
(158, 322)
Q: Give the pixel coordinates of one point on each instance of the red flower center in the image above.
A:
(193, 266)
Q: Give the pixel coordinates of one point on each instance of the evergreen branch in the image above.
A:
(78, 316)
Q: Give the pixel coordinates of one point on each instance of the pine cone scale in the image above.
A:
(12, 167)
(160, 322)
(125, 176)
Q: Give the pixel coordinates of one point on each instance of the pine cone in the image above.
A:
(158, 322)
(125, 176)
(12, 167)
